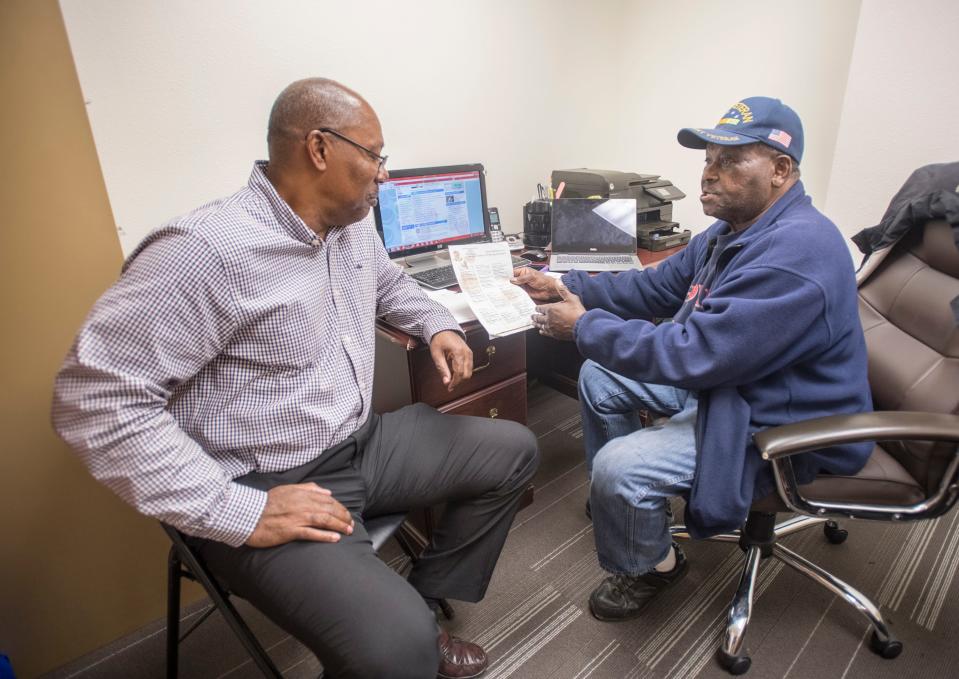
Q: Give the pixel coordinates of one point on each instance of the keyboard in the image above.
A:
(594, 259)
(443, 276)
(440, 277)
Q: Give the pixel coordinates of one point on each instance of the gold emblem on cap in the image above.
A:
(745, 115)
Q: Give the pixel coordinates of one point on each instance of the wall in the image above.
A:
(179, 91)
(77, 568)
(900, 108)
(522, 87)
(688, 62)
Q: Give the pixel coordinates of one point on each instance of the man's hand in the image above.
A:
(302, 511)
(449, 351)
(539, 286)
(557, 320)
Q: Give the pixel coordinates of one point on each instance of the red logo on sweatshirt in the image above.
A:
(699, 293)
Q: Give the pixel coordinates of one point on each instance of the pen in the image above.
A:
(559, 189)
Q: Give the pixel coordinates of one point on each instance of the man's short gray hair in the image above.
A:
(307, 105)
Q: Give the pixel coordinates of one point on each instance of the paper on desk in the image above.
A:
(483, 271)
(456, 302)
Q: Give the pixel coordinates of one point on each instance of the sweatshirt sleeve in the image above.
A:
(717, 345)
(654, 292)
(166, 318)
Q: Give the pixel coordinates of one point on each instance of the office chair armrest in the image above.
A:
(801, 437)
(777, 444)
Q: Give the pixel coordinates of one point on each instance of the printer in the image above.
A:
(655, 228)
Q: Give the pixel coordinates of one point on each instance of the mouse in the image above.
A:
(534, 255)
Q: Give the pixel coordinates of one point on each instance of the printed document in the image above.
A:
(483, 271)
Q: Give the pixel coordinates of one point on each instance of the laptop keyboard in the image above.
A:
(444, 277)
(594, 259)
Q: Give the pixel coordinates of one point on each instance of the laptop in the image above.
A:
(594, 234)
(422, 211)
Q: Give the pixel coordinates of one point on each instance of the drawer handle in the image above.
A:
(490, 350)
(493, 412)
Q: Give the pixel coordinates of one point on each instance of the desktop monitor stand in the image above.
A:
(428, 260)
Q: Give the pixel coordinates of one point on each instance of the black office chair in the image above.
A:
(912, 474)
(184, 562)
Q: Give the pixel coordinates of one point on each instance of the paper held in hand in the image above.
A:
(483, 271)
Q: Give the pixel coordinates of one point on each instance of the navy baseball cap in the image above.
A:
(756, 119)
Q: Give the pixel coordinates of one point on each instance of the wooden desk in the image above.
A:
(648, 257)
(556, 363)
(404, 371)
(404, 374)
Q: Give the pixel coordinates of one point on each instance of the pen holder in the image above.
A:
(536, 221)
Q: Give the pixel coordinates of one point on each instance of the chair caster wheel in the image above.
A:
(834, 533)
(734, 664)
(887, 649)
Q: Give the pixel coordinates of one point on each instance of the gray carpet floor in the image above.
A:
(534, 622)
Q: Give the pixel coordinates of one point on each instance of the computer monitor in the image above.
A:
(424, 210)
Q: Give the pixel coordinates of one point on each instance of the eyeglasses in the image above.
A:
(375, 156)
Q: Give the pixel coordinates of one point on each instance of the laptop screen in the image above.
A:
(594, 225)
(428, 209)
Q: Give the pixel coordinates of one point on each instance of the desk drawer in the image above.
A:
(506, 400)
(494, 360)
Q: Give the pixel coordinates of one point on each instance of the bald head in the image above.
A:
(307, 105)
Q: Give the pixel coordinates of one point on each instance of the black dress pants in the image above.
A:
(357, 615)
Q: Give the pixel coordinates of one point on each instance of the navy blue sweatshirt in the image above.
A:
(764, 328)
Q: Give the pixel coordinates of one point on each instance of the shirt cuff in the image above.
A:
(433, 325)
(237, 517)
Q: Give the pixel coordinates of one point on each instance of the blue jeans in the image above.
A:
(634, 470)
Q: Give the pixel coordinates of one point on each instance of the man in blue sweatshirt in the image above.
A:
(764, 331)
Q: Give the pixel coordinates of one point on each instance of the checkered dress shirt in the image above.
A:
(234, 341)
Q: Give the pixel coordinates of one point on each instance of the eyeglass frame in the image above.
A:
(376, 156)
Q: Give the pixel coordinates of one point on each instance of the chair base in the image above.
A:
(759, 540)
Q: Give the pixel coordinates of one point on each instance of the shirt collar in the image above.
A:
(284, 214)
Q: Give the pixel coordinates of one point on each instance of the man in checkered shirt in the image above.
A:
(223, 386)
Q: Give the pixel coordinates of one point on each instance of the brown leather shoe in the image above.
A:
(459, 659)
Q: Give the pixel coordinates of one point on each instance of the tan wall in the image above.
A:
(77, 567)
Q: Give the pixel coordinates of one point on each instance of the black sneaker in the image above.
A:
(621, 597)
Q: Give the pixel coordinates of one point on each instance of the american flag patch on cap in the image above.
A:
(783, 138)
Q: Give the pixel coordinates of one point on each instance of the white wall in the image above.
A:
(901, 105)
(179, 92)
(689, 61)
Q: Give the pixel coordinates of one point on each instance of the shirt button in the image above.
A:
(347, 339)
(315, 242)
